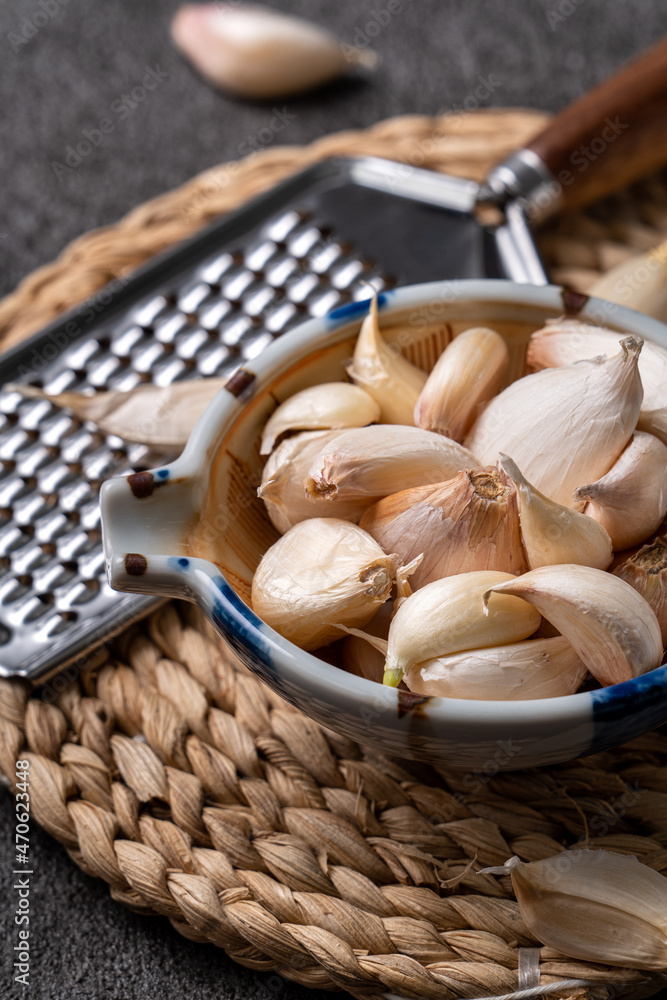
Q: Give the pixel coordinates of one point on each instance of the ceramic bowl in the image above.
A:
(195, 529)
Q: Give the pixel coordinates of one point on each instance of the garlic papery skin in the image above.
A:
(564, 426)
(536, 668)
(359, 656)
(637, 283)
(367, 463)
(321, 572)
(552, 533)
(605, 620)
(646, 571)
(469, 523)
(450, 615)
(630, 501)
(567, 341)
(320, 407)
(596, 906)
(260, 53)
(384, 373)
(467, 374)
(283, 477)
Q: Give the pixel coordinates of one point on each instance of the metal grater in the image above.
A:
(302, 250)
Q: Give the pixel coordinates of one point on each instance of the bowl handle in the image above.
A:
(145, 520)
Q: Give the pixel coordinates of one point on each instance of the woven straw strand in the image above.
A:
(248, 826)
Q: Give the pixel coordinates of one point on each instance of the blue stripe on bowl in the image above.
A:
(623, 711)
(353, 309)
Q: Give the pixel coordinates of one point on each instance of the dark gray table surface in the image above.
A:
(61, 72)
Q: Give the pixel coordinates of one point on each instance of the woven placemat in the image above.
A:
(171, 772)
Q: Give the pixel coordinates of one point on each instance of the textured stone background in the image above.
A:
(63, 80)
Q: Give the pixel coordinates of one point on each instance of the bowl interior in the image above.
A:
(233, 529)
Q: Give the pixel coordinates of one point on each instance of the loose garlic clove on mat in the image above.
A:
(552, 533)
(595, 906)
(630, 501)
(384, 373)
(640, 283)
(467, 374)
(606, 621)
(564, 426)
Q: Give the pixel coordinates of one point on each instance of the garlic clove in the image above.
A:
(260, 53)
(552, 533)
(637, 283)
(563, 426)
(384, 373)
(467, 374)
(595, 906)
(320, 407)
(367, 463)
(450, 615)
(321, 572)
(605, 620)
(567, 341)
(160, 416)
(282, 488)
(468, 523)
(630, 501)
(646, 571)
(535, 668)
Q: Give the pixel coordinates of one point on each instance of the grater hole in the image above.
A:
(70, 566)
(46, 599)
(25, 579)
(5, 635)
(48, 548)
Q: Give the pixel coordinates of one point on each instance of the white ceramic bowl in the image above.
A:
(195, 529)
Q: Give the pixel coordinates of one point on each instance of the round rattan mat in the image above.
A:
(168, 770)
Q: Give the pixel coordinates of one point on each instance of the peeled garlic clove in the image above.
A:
(631, 500)
(564, 426)
(467, 374)
(384, 373)
(638, 283)
(606, 621)
(320, 407)
(596, 906)
(469, 523)
(160, 416)
(283, 477)
(646, 571)
(260, 53)
(450, 615)
(567, 341)
(552, 533)
(368, 463)
(321, 572)
(536, 668)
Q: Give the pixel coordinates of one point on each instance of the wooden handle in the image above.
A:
(612, 136)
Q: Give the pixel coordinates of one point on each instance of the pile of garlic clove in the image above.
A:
(466, 540)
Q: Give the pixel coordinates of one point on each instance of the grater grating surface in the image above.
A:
(299, 251)
(226, 311)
